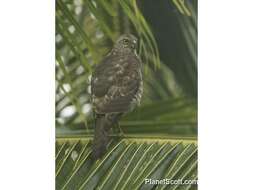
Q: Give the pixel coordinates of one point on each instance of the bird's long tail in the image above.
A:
(101, 139)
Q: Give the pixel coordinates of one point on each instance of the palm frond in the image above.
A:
(126, 165)
(182, 8)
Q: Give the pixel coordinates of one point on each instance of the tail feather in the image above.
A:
(101, 139)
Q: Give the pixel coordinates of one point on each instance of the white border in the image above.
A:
(27, 95)
(225, 94)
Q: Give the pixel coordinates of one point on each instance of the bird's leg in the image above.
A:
(114, 119)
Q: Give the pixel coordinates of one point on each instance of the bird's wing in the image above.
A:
(102, 77)
(115, 84)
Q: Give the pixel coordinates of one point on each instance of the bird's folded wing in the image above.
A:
(115, 86)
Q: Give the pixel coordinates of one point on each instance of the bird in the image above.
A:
(116, 89)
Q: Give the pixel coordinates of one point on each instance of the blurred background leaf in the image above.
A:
(85, 33)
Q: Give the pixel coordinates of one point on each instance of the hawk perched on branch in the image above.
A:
(116, 88)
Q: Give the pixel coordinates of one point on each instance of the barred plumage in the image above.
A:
(116, 88)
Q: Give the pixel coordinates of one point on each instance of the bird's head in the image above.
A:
(126, 43)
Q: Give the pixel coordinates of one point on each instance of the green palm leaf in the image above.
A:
(126, 165)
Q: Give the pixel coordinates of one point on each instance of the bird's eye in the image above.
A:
(125, 41)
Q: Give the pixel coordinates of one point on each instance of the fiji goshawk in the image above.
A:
(116, 88)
